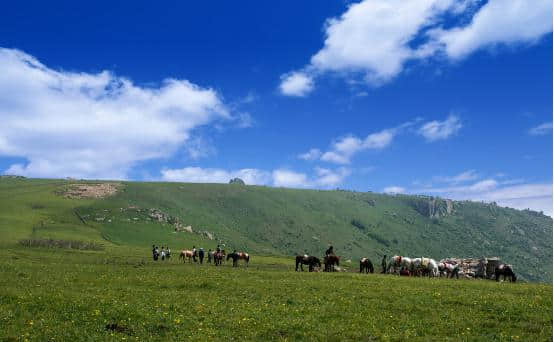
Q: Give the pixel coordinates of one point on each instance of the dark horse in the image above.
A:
(366, 265)
(218, 257)
(311, 261)
(505, 270)
(330, 261)
(236, 256)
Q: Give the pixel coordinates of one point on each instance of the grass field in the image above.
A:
(116, 292)
(58, 294)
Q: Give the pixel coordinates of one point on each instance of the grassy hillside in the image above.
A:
(277, 221)
(110, 289)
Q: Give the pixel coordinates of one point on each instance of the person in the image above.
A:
(194, 253)
(384, 264)
(218, 249)
(201, 254)
(156, 253)
(153, 252)
(163, 253)
(167, 252)
(329, 251)
(210, 255)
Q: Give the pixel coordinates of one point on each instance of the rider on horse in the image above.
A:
(329, 251)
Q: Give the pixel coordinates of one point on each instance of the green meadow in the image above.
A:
(115, 291)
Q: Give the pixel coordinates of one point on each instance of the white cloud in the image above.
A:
(373, 36)
(377, 37)
(522, 196)
(94, 125)
(344, 148)
(200, 175)
(394, 190)
(290, 179)
(328, 178)
(459, 178)
(439, 130)
(498, 22)
(312, 154)
(541, 129)
(296, 84)
(322, 178)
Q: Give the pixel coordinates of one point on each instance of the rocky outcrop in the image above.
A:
(432, 207)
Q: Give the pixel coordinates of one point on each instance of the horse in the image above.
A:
(398, 262)
(450, 270)
(330, 261)
(366, 265)
(505, 270)
(425, 266)
(218, 257)
(236, 256)
(186, 254)
(311, 261)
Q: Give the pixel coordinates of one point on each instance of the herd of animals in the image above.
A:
(395, 265)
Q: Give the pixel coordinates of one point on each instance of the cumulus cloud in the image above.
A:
(541, 129)
(201, 175)
(94, 125)
(321, 178)
(498, 22)
(520, 196)
(377, 37)
(459, 178)
(296, 84)
(344, 148)
(439, 130)
(394, 190)
(312, 154)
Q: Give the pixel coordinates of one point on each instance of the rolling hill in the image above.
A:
(274, 221)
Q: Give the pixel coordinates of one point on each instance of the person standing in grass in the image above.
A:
(194, 253)
(201, 254)
(163, 253)
(384, 264)
(167, 252)
(154, 253)
(210, 254)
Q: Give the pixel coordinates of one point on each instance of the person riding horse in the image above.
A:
(329, 251)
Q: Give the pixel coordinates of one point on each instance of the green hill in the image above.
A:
(276, 221)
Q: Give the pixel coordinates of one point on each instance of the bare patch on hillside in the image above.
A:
(91, 190)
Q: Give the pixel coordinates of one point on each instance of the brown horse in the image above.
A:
(236, 256)
(366, 265)
(218, 257)
(186, 254)
(311, 261)
(330, 261)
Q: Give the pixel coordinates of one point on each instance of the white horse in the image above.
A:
(448, 269)
(426, 266)
(399, 262)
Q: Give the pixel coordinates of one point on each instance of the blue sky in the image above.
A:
(442, 97)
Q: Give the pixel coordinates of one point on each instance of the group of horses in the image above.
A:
(216, 256)
(313, 262)
(400, 265)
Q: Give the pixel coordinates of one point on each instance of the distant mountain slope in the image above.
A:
(281, 221)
